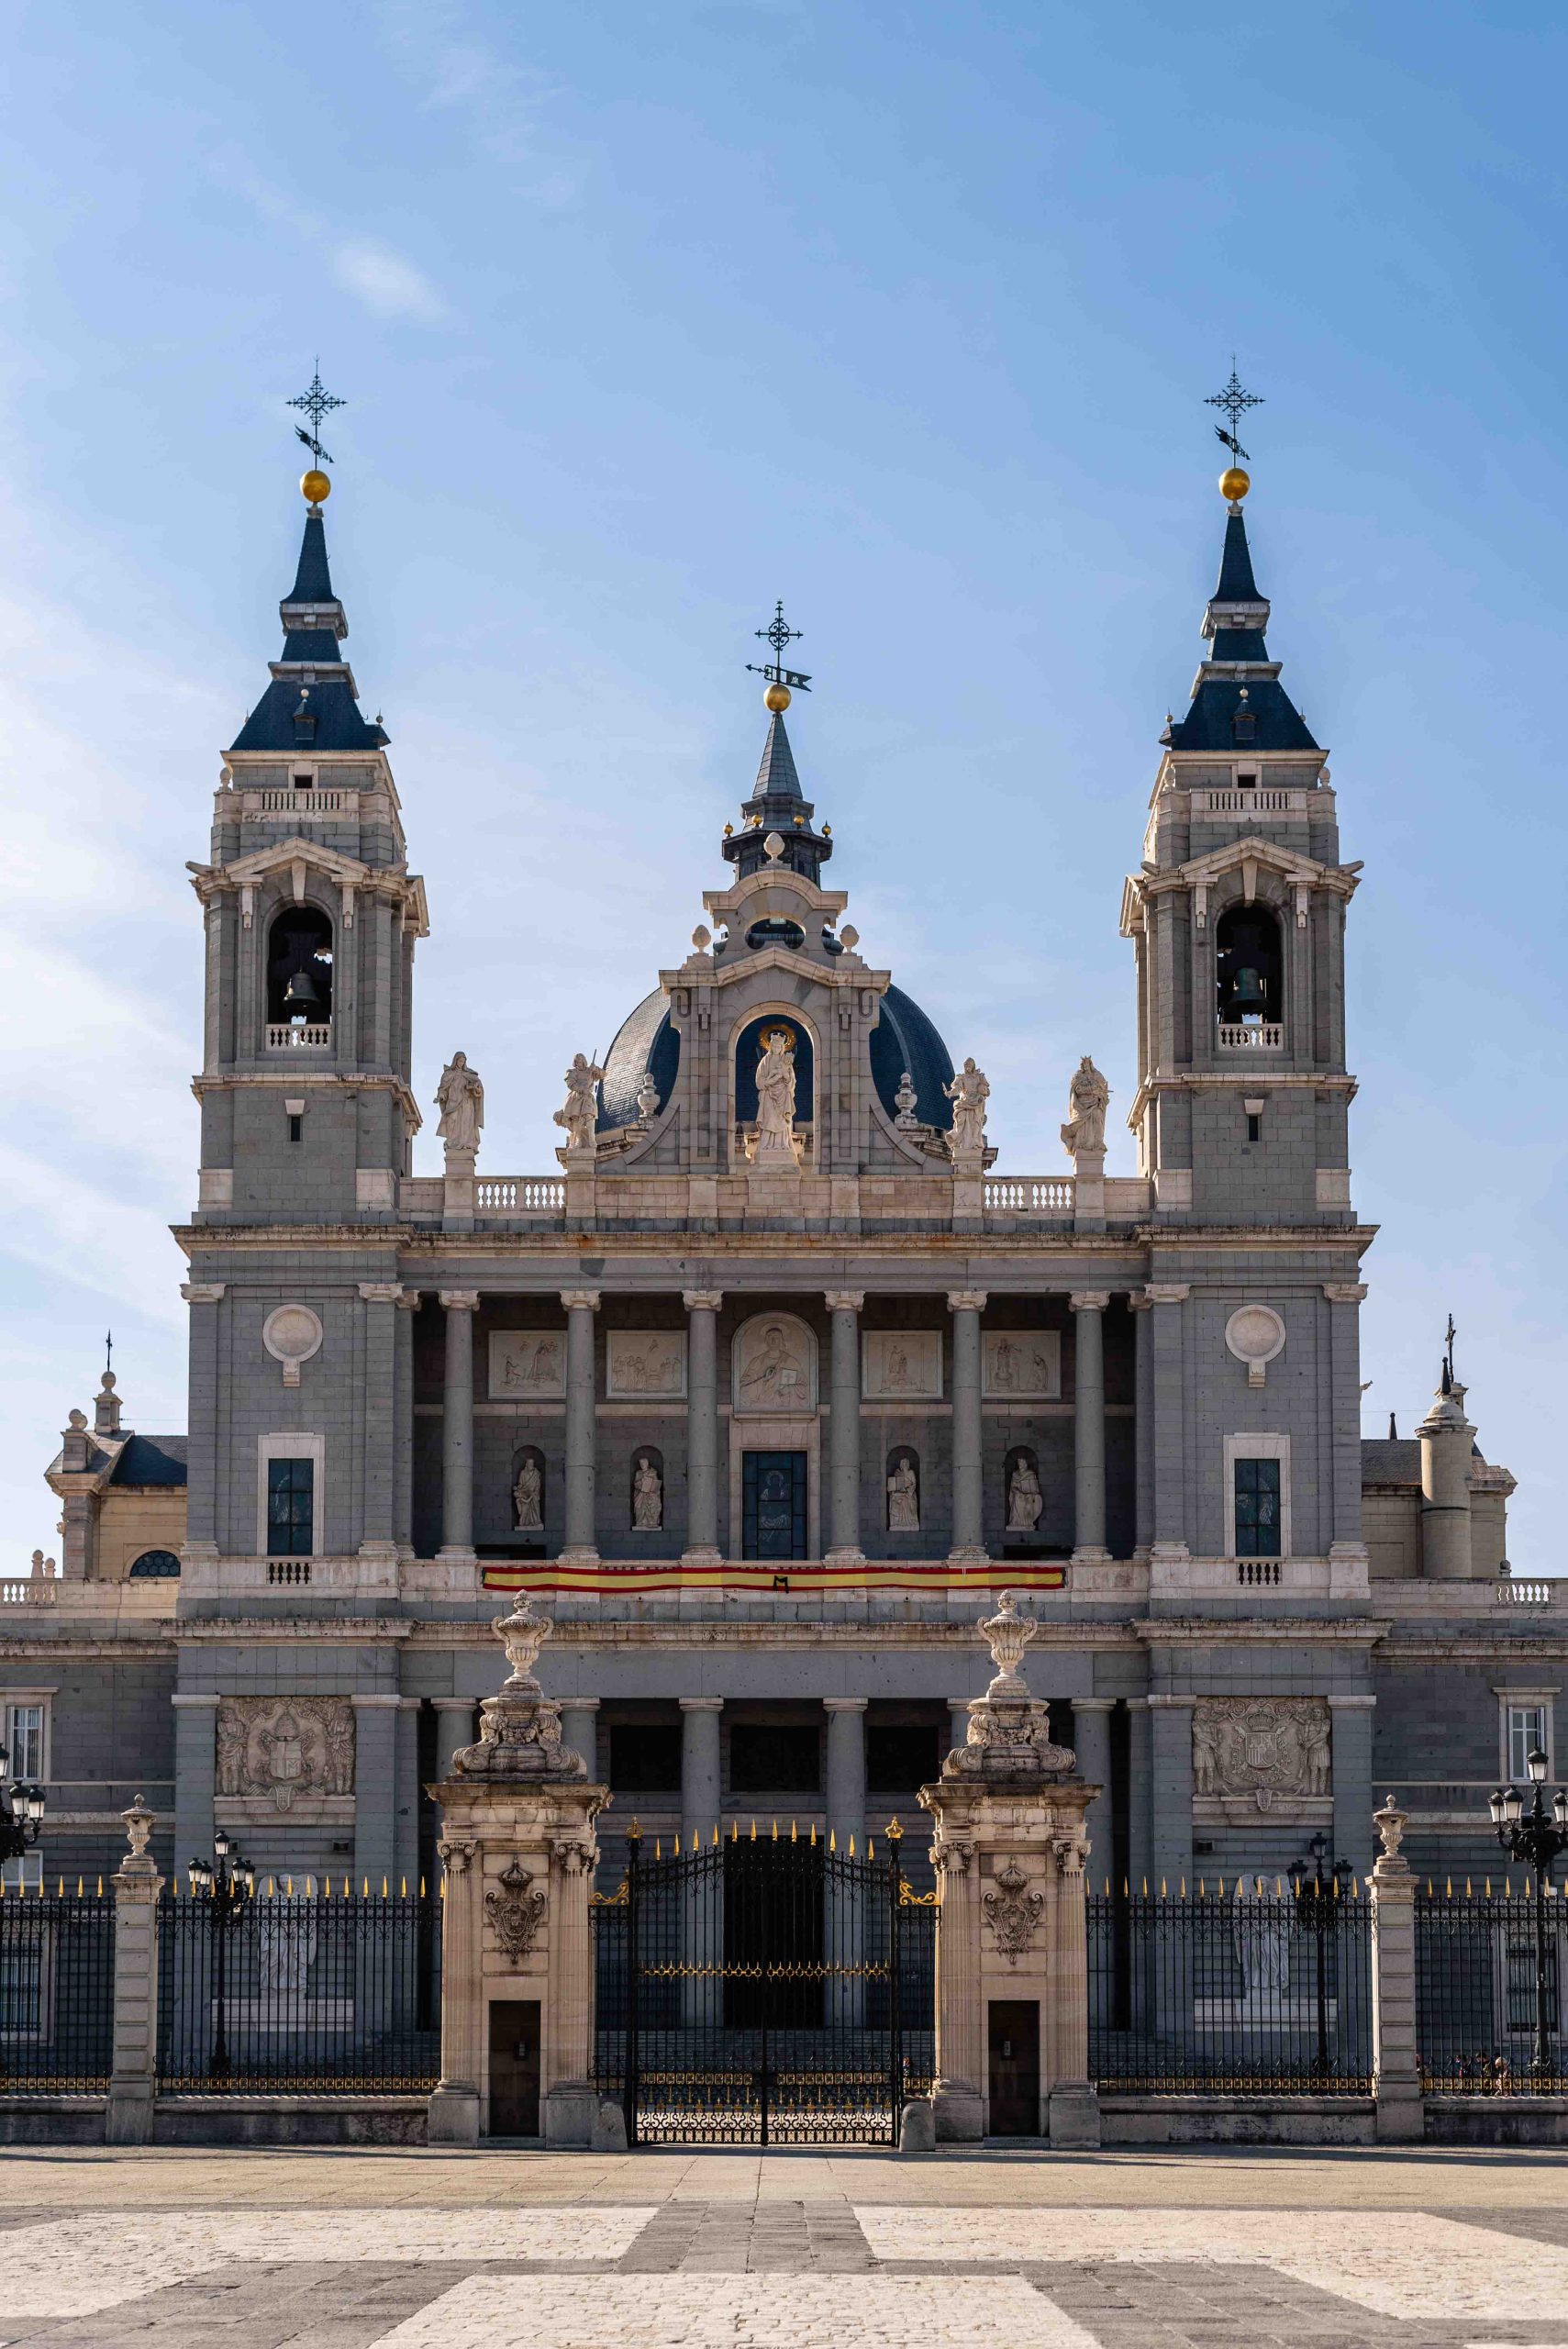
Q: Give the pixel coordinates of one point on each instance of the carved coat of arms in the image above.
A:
(514, 1909)
(1261, 1746)
(287, 1747)
(1013, 1912)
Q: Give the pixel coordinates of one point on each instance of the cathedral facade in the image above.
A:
(777, 1379)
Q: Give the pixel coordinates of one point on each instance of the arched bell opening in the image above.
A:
(1248, 968)
(299, 968)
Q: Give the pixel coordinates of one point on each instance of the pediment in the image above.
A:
(1249, 857)
(297, 856)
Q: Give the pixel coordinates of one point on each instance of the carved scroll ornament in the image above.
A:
(1013, 1912)
(514, 1909)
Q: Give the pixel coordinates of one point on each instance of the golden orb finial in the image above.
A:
(1234, 484)
(776, 699)
(315, 487)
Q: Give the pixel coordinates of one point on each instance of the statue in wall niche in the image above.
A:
(646, 1497)
(1024, 1499)
(1088, 1098)
(1261, 1938)
(969, 1093)
(528, 1495)
(581, 1114)
(775, 1099)
(903, 1498)
(285, 1942)
(459, 1097)
(905, 1101)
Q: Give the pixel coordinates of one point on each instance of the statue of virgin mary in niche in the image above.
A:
(775, 1100)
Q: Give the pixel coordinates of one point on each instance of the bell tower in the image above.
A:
(312, 915)
(1237, 915)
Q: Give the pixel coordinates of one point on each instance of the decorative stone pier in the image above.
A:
(1012, 2052)
(519, 1851)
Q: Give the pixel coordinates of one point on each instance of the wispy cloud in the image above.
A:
(433, 44)
(383, 280)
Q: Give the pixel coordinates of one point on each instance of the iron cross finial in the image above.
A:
(1233, 402)
(108, 1352)
(1449, 1336)
(316, 403)
(778, 633)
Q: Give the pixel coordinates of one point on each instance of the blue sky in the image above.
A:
(648, 314)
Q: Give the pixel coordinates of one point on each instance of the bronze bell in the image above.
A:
(300, 1000)
(1249, 995)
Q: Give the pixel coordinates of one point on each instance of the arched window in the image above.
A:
(299, 968)
(528, 1492)
(1023, 1499)
(903, 1490)
(155, 1565)
(1246, 966)
(647, 1504)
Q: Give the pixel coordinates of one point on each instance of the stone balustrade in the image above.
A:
(282, 1037)
(1232, 1036)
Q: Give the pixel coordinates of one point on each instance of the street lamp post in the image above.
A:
(1313, 1907)
(1537, 1839)
(21, 1811)
(227, 1879)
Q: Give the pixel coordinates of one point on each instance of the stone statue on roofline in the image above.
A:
(969, 1093)
(1089, 1096)
(459, 1097)
(581, 1114)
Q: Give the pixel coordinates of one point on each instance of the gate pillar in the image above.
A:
(1012, 1953)
(519, 1851)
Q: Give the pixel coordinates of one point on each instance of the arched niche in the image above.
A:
(901, 1491)
(299, 968)
(645, 1489)
(1249, 966)
(1023, 1496)
(772, 1365)
(749, 1048)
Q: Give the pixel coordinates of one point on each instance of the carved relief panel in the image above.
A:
(528, 1363)
(287, 1752)
(645, 1364)
(1022, 1365)
(902, 1365)
(1261, 1754)
(774, 1365)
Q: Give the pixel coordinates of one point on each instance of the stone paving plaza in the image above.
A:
(328, 2250)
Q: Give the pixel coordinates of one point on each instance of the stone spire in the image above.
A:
(312, 702)
(1237, 702)
(777, 805)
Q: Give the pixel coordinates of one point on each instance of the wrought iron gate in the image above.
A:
(764, 1990)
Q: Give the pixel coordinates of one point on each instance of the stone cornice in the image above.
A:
(330, 1631)
(1261, 1631)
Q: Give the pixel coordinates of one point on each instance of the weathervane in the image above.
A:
(316, 403)
(778, 633)
(1234, 403)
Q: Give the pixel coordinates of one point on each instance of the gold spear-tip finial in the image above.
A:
(1234, 484)
(315, 487)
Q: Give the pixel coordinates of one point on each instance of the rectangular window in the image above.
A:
(645, 1757)
(1254, 1127)
(25, 1875)
(24, 1740)
(1526, 1728)
(1257, 1508)
(291, 1508)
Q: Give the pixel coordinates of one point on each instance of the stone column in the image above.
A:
(572, 2101)
(133, 2081)
(1073, 2107)
(375, 1785)
(453, 2114)
(1169, 1448)
(1350, 1749)
(457, 1424)
(966, 1305)
(1396, 2078)
(701, 1784)
(1089, 1425)
(380, 1300)
(1139, 1798)
(196, 1778)
(1447, 1438)
(405, 1824)
(846, 1773)
(201, 1492)
(957, 2092)
(958, 1719)
(701, 1427)
(454, 1730)
(1143, 1427)
(1171, 1791)
(579, 1548)
(1347, 1545)
(580, 1729)
(844, 1430)
(1092, 1743)
(403, 1451)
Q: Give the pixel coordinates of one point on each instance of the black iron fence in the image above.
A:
(1491, 1970)
(299, 1991)
(57, 1991)
(1254, 1990)
(764, 1990)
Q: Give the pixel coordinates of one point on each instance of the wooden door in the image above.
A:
(514, 2067)
(1014, 2067)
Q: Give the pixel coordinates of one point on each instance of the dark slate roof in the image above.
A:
(1230, 644)
(776, 778)
(313, 580)
(645, 1040)
(1391, 1461)
(905, 1039)
(339, 726)
(320, 645)
(151, 1459)
(1236, 585)
(1209, 724)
